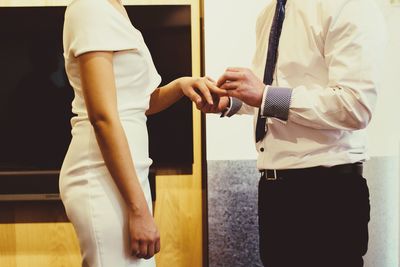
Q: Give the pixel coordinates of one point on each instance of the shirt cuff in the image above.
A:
(276, 102)
(234, 106)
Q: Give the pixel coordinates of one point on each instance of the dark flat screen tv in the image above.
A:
(35, 96)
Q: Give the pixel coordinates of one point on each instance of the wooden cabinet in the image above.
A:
(38, 234)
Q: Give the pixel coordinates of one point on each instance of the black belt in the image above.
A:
(354, 168)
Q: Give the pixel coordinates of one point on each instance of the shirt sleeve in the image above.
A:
(353, 53)
(237, 107)
(276, 102)
(91, 25)
(233, 108)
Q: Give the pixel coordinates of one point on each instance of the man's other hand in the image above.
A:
(243, 84)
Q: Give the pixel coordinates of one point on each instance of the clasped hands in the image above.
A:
(213, 96)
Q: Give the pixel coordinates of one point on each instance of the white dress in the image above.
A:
(92, 201)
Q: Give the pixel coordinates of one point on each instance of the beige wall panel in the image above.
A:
(7, 244)
(36, 235)
(47, 244)
(178, 215)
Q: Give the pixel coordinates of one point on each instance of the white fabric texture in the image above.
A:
(331, 54)
(93, 202)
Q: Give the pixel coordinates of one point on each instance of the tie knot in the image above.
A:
(281, 2)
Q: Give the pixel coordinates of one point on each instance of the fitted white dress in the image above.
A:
(93, 202)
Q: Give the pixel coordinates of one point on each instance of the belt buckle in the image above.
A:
(274, 178)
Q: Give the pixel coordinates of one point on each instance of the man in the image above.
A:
(312, 90)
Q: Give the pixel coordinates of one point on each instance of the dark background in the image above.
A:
(35, 96)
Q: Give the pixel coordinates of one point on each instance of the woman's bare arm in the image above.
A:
(98, 83)
(197, 89)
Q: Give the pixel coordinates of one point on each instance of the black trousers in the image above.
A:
(314, 221)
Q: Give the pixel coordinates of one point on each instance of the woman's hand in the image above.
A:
(144, 234)
(200, 90)
(219, 106)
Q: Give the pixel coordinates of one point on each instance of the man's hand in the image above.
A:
(243, 84)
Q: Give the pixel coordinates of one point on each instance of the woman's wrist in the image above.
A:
(135, 199)
(137, 206)
(180, 83)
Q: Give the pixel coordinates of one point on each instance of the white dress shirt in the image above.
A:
(330, 55)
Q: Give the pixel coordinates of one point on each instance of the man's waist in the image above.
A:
(291, 159)
(318, 171)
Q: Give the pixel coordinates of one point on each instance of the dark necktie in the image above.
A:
(273, 43)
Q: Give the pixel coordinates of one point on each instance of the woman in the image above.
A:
(103, 181)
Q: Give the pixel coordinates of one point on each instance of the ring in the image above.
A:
(136, 254)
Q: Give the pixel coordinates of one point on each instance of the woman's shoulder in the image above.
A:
(92, 4)
(92, 25)
(81, 9)
(92, 15)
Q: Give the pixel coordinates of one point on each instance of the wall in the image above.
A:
(229, 41)
(232, 177)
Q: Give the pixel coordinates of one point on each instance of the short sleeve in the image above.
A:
(92, 25)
